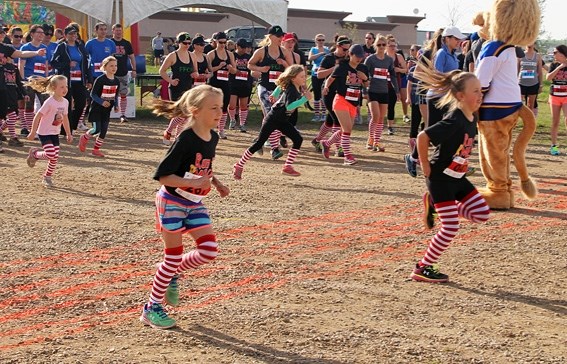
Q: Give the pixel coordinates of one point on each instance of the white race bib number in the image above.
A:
(222, 75)
(380, 73)
(76, 75)
(242, 75)
(273, 76)
(352, 94)
(458, 167)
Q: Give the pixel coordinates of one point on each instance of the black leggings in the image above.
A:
(275, 123)
(435, 114)
(100, 120)
(317, 85)
(392, 99)
(415, 120)
(331, 119)
(77, 97)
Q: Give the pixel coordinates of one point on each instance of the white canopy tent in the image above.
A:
(265, 12)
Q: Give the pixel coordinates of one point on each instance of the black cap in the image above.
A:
(198, 40)
(243, 43)
(183, 37)
(220, 35)
(357, 50)
(70, 29)
(276, 30)
(48, 28)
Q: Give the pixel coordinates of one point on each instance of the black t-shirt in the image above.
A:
(329, 61)
(453, 138)
(106, 89)
(5, 51)
(190, 157)
(349, 85)
(278, 110)
(558, 86)
(368, 50)
(123, 50)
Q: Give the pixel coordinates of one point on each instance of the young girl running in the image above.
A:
(291, 82)
(47, 123)
(104, 97)
(186, 176)
(450, 192)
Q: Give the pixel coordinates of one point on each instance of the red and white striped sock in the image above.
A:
(98, 143)
(123, 104)
(28, 119)
(334, 130)
(205, 252)
(222, 122)
(3, 124)
(323, 108)
(173, 124)
(372, 130)
(82, 117)
(474, 208)
(166, 270)
(323, 130)
(449, 216)
(378, 131)
(317, 108)
(232, 113)
(52, 163)
(335, 138)
(21, 117)
(291, 155)
(87, 135)
(275, 139)
(11, 120)
(345, 144)
(51, 153)
(243, 116)
(245, 158)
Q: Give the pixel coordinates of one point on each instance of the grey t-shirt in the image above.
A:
(381, 71)
(157, 43)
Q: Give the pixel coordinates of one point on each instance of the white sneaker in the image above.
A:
(315, 118)
(82, 127)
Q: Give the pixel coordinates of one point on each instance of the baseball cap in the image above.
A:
(276, 30)
(343, 39)
(243, 43)
(183, 37)
(357, 50)
(220, 35)
(453, 32)
(70, 29)
(199, 40)
(288, 36)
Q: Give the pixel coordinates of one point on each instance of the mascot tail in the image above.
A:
(529, 188)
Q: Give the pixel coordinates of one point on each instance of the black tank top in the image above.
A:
(221, 75)
(202, 69)
(268, 79)
(182, 71)
(242, 76)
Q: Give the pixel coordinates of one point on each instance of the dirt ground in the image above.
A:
(312, 269)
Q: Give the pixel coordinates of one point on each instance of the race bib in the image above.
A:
(559, 90)
(76, 75)
(352, 94)
(527, 74)
(273, 76)
(190, 193)
(200, 80)
(97, 67)
(109, 92)
(380, 73)
(222, 75)
(40, 69)
(458, 167)
(242, 75)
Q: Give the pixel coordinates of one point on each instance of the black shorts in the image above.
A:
(381, 98)
(529, 90)
(241, 91)
(158, 53)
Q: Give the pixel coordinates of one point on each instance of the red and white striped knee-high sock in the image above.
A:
(82, 117)
(474, 208)
(335, 138)
(323, 130)
(166, 270)
(345, 144)
(28, 119)
(21, 113)
(205, 252)
(11, 120)
(50, 153)
(449, 216)
(123, 104)
(334, 130)
(243, 116)
(275, 139)
(291, 155)
(245, 158)
(378, 131)
(98, 143)
(372, 130)
(323, 108)
(3, 124)
(222, 122)
(52, 163)
(317, 108)
(231, 114)
(173, 123)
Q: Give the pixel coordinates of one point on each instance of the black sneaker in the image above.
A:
(317, 145)
(411, 166)
(428, 211)
(390, 130)
(428, 273)
(276, 154)
(123, 119)
(24, 132)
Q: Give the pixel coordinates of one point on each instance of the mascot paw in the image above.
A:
(529, 189)
(497, 200)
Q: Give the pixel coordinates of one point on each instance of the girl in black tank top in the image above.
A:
(268, 79)
(182, 72)
(220, 77)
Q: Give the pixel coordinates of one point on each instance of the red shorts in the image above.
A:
(340, 103)
(557, 100)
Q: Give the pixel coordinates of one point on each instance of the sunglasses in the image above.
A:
(186, 43)
(48, 33)
(17, 36)
(380, 44)
(219, 42)
(320, 40)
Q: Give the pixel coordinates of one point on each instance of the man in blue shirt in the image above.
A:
(99, 48)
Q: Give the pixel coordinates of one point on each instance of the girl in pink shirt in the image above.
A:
(47, 123)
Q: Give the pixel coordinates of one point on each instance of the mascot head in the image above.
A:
(515, 21)
(481, 19)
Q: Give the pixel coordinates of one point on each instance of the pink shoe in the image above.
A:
(237, 172)
(290, 171)
(83, 143)
(325, 150)
(97, 153)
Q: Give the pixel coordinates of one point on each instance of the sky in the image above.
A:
(436, 12)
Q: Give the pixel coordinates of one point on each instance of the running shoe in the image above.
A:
(47, 182)
(470, 171)
(350, 162)
(172, 292)
(166, 138)
(222, 134)
(30, 159)
(326, 151)
(411, 166)
(315, 118)
(24, 132)
(554, 150)
(155, 316)
(428, 211)
(406, 119)
(123, 119)
(232, 125)
(83, 143)
(243, 129)
(237, 172)
(276, 154)
(15, 142)
(428, 273)
(391, 131)
(340, 152)
(378, 147)
(317, 145)
(82, 127)
(97, 153)
(290, 171)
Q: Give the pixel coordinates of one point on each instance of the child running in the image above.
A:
(186, 176)
(47, 123)
(449, 190)
(290, 95)
(104, 97)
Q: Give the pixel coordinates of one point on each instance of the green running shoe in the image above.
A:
(155, 316)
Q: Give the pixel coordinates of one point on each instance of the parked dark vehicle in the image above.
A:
(253, 34)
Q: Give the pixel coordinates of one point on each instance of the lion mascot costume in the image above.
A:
(509, 23)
